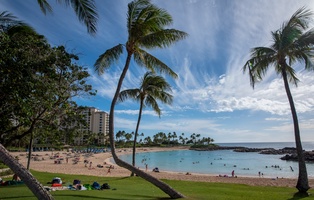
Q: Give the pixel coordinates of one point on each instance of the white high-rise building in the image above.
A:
(97, 124)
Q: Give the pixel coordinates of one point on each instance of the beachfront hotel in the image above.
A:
(97, 123)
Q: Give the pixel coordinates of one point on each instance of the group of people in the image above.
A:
(15, 178)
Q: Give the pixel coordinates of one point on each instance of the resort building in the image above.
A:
(97, 126)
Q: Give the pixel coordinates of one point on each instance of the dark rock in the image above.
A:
(308, 156)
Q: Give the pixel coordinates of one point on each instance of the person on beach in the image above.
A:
(232, 173)
(146, 166)
(109, 172)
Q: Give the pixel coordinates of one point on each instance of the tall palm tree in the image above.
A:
(145, 25)
(84, 9)
(152, 88)
(291, 43)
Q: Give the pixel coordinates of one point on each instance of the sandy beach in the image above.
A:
(97, 165)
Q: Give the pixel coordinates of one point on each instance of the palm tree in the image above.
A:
(291, 44)
(84, 9)
(8, 20)
(145, 24)
(152, 88)
(32, 183)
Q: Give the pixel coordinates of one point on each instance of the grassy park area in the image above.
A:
(136, 188)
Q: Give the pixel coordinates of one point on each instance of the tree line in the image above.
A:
(172, 138)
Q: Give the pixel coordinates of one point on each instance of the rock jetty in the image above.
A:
(290, 152)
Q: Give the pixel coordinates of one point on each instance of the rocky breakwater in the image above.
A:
(290, 153)
(245, 149)
(213, 148)
(308, 156)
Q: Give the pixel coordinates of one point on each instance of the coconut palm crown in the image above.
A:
(292, 43)
(152, 88)
(146, 30)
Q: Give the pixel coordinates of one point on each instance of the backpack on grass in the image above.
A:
(105, 186)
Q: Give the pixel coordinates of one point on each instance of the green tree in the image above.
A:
(84, 9)
(146, 29)
(153, 88)
(148, 140)
(292, 43)
(37, 85)
(7, 21)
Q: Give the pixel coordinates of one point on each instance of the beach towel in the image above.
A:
(96, 186)
(88, 187)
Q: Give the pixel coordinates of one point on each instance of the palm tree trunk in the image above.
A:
(37, 189)
(164, 187)
(135, 135)
(303, 183)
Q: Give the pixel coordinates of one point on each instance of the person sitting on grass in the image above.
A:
(16, 178)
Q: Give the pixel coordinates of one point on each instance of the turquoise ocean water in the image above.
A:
(223, 162)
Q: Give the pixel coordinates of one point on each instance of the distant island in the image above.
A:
(290, 152)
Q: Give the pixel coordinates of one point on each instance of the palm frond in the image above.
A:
(262, 58)
(293, 29)
(129, 94)
(303, 50)
(86, 12)
(44, 6)
(258, 64)
(300, 19)
(152, 63)
(134, 8)
(150, 101)
(8, 20)
(292, 78)
(162, 38)
(248, 66)
(105, 60)
(152, 19)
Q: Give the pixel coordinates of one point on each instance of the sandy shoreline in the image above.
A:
(75, 165)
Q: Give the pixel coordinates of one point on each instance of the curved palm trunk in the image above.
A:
(135, 135)
(37, 189)
(303, 183)
(161, 185)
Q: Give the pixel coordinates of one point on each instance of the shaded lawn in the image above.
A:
(136, 188)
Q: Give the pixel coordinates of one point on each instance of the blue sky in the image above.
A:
(212, 96)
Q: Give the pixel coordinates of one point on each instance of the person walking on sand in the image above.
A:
(232, 173)
(108, 172)
(146, 166)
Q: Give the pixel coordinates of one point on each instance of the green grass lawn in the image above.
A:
(136, 188)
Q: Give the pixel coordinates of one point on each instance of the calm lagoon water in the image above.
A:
(224, 161)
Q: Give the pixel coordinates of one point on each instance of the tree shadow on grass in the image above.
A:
(300, 195)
